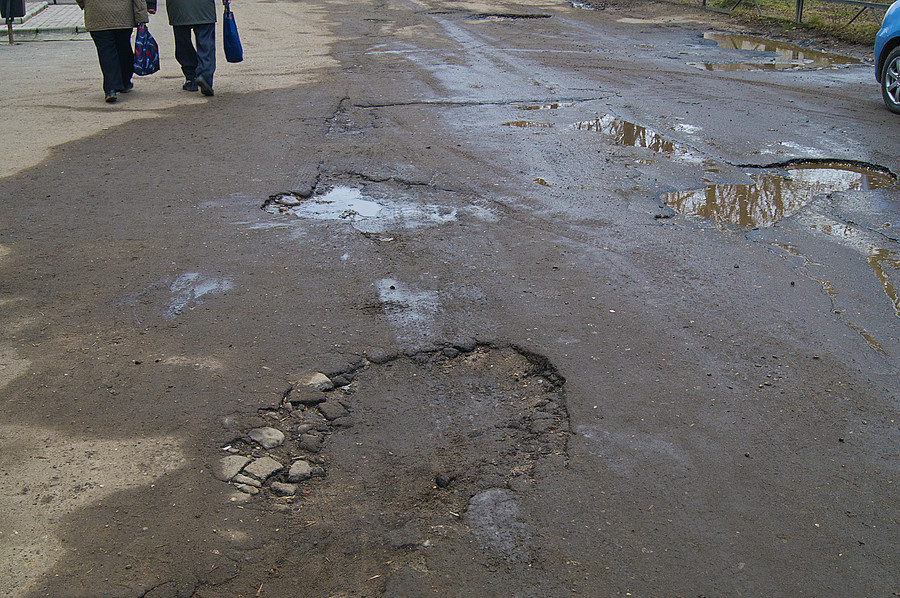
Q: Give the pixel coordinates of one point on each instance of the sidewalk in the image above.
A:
(46, 22)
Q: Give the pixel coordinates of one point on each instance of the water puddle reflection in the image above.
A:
(787, 55)
(550, 106)
(623, 132)
(884, 262)
(526, 124)
(774, 195)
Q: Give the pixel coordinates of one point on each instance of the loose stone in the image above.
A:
(332, 410)
(245, 479)
(247, 489)
(305, 395)
(316, 381)
(230, 466)
(282, 489)
(311, 443)
(268, 438)
(299, 471)
(263, 468)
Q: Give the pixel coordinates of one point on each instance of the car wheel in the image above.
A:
(890, 81)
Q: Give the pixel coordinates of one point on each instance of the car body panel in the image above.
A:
(888, 37)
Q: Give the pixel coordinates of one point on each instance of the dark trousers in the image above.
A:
(116, 57)
(199, 61)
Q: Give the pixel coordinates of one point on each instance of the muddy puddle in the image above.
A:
(623, 132)
(787, 56)
(364, 213)
(775, 195)
(550, 106)
(371, 212)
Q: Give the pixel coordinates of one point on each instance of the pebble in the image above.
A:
(289, 200)
(310, 443)
(268, 438)
(332, 410)
(245, 479)
(230, 466)
(263, 468)
(282, 489)
(378, 356)
(307, 396)
(299, 471)
(247, 489)
(316, 380)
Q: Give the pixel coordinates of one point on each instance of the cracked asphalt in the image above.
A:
(551, 383)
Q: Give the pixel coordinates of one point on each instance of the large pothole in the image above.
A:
(395, 466)
(455, 419)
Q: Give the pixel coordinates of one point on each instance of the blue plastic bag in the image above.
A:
(233, 50)
(146, 52)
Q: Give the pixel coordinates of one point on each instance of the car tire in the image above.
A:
(890, 81)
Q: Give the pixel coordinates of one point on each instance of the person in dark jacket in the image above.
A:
(110, 23)
(197, 17)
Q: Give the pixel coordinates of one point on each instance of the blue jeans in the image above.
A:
(199, 61)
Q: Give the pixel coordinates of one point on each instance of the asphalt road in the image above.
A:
(557, 370)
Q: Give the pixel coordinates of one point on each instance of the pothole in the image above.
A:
(509, 16)
(525, 124)
(775, 194)
(626, 133)
(458, 419)
(549, 106)
(363, 212)
(787, 55)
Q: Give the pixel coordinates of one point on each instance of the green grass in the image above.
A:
(824, 17)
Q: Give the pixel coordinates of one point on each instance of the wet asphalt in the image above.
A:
(465, 223)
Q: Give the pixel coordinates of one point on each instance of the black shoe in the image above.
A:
(205, 88)
(190, 85)
(128, 87)
(111, 96)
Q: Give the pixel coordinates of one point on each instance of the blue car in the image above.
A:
(887, 58)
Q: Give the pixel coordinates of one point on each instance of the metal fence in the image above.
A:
(872, 7)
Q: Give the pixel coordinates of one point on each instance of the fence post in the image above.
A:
(798, 18)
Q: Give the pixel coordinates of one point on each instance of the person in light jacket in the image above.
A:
(197, 63)
(110, 23)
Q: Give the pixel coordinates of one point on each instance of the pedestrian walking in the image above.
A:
(110, 23)
(198, 63)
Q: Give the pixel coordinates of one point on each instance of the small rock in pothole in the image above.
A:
(230, 466)
(310, 443)
(282, 489)
(305, 395)
(247, 489)
(332, 410)
(245, 479)
(299, 471)
(317, 381)
(268, 438)
(261, 469)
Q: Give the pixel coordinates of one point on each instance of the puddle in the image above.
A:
(883, 262)
(526, 124)
(191, 289)
(366, 214)
(775, 194)
(623, 132)
(508, 16)
(787, 55)
(550, 106)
